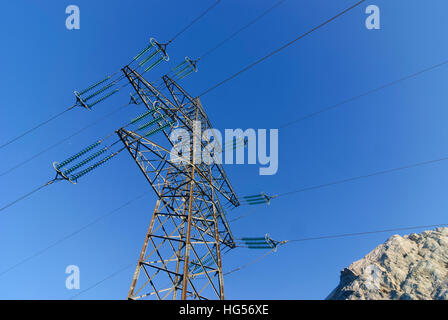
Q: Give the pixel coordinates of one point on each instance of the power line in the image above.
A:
(61, 141)
(280, 49)
(220, 44)
(355, 234)
(103, 280)
(26, 195)
(194, 21)
(36, 127)
(384, 86)
(242, 216)
(72, 234)
(376, 173)
(118, 272)
(418, 164)
(250, 263)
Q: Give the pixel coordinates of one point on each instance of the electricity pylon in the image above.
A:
(181, 256)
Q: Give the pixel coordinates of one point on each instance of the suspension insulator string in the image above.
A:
(99, 92)
(77, 155)
(85, 161)
(154, 131)
(75, 177)
(142, 116)
(94, 86)
(104, 98)
(147, 59)
(179, 66)
(150, 123)
(137, 57)
(182, 70)
(150, 45)
(265, 242)
(258, 199)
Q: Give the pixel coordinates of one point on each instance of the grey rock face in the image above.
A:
(413, 267)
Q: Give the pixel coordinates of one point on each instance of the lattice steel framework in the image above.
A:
(181, 254)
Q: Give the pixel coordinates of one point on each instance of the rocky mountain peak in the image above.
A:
(412, 267)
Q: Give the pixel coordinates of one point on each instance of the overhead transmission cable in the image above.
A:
(189, 65)
(72, 234)
(356, 234)
(263, 198)
(26, 195)
(384, 86)
(233, 35)
(194, 21)
(103, 280)
(35, 127)
(376, 173)
(249, 263)
(250, 66)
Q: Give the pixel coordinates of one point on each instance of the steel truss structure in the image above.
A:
(181, 256)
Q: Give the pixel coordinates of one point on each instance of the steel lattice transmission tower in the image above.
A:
(188, 231)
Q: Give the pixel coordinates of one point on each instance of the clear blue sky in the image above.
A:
(43, 62)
